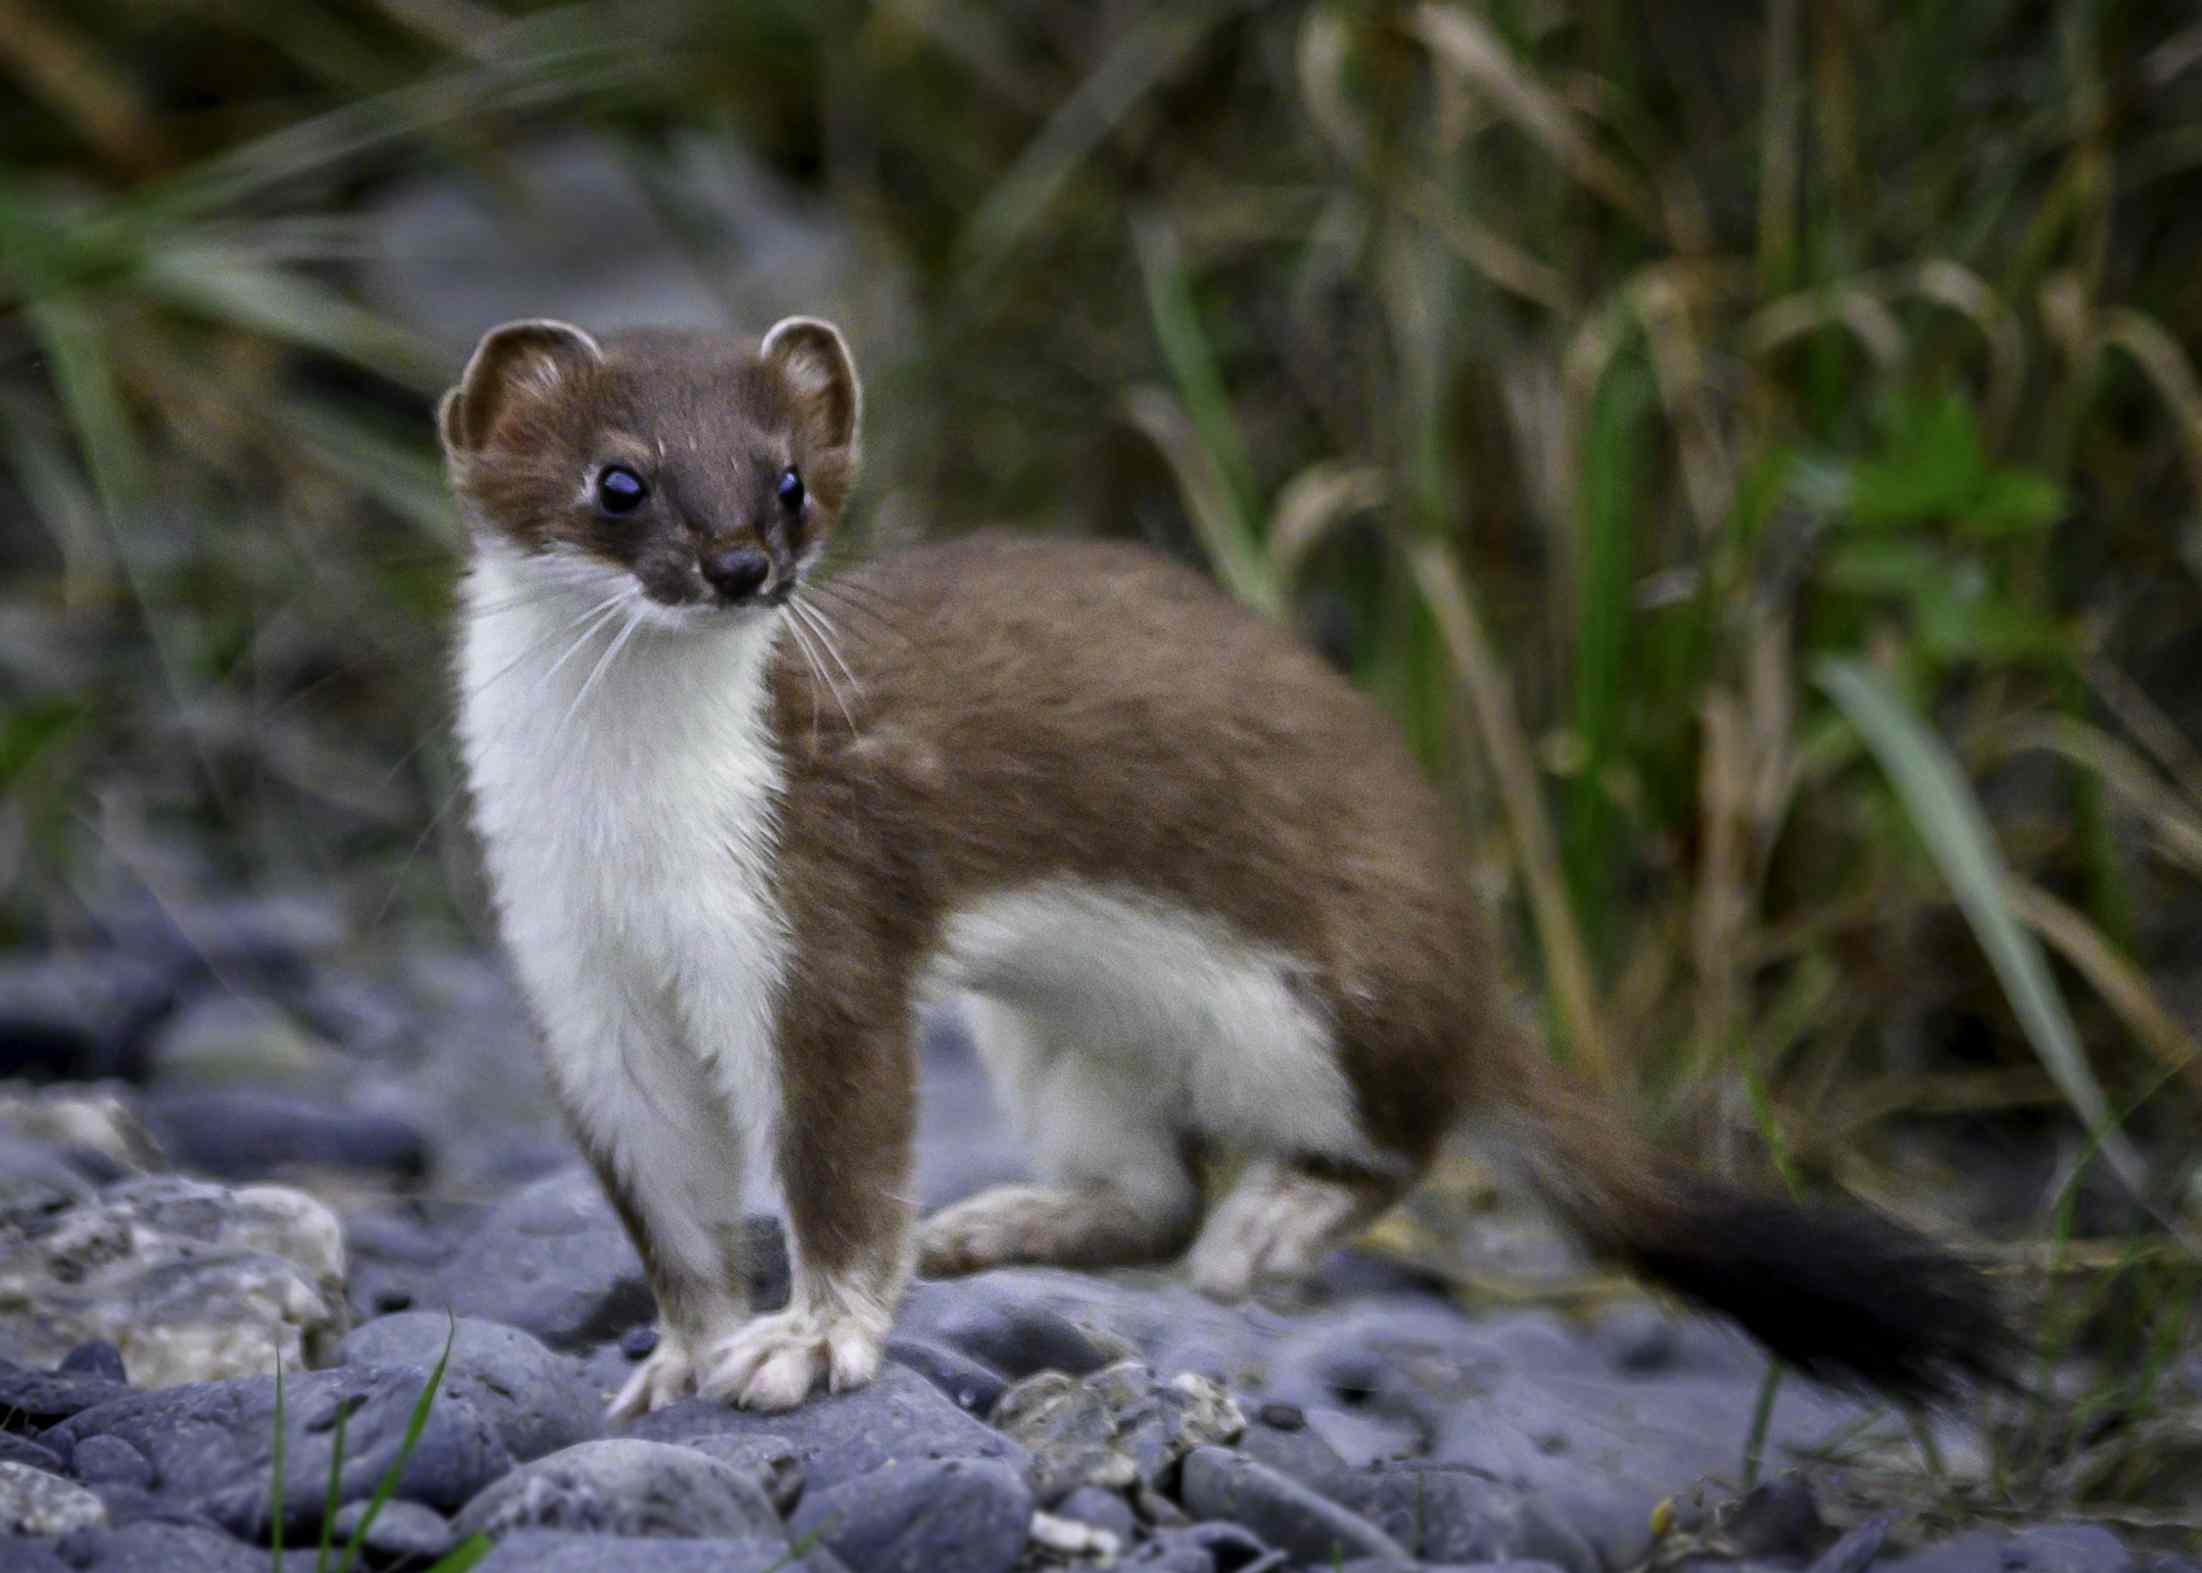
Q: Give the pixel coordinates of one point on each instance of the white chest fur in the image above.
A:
(625, 788)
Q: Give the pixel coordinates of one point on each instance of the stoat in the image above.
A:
(741, 818)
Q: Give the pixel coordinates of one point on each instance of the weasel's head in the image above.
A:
(694, 474)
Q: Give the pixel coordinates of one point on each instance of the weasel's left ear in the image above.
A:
(514, 361)
(811, 355)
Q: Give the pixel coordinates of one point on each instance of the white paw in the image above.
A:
(990, 1229)
(775, 1361)
(666, 1377)
(1273, 1227)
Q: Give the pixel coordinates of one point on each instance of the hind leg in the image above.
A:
(1117, 1190)
(1280, 1218)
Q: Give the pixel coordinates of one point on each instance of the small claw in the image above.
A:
(775, 1363)
(665, 1377)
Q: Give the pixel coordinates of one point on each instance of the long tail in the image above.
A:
(1848, 1297)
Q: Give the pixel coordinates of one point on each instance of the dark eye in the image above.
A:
(619, 489)
(790, 489)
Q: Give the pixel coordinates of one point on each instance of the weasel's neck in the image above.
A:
(557, 674)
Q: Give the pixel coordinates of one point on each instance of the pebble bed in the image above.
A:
(245, 1146)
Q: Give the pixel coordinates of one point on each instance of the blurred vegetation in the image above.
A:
(1754, 451)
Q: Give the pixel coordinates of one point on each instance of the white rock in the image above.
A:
(191, 1281)
(33, 1502)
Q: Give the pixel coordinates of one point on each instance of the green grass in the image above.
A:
(346, 1559)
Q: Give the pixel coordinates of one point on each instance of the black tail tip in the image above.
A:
(1845, 1297)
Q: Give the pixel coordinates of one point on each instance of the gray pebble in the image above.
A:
(538, 1401)
(973, 1387)
(44, 1398)
(1379, 1565)
(97, 1358)
(543, 1551)
(210, 1444)
(1221, 1484)
(400, 1529)
(1102, 1509)
(956, 1516)
(22, 1450)
(768, 1460)
(896, 1418)
(626, 1487)
(111, 1461)
(161, 1548)
(2071, 1548)
(1014, 1335)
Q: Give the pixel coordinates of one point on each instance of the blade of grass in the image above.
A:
(231, 288)
(2124, 986)
(335, 1486)
(275, 1479)
(1567, 964)
(1956, 835)
(1612, 462)
(1150, 53)
(1186, 350)
(1225, 538)
(414, 1425)
(464, 1555)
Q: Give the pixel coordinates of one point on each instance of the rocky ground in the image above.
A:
(240, 1143)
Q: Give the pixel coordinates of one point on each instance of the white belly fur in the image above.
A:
(1194, 1026)
(630, 846)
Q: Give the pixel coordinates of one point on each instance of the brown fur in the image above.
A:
(1014, 710)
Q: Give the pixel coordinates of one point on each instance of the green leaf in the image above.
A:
(463, 1555)
(1879, 565)
(275, 1481)
(1950, 823)
(1933, 470)
(414, 1425)
(2015, 502)
(29, 729)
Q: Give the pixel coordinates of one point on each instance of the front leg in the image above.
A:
(844, 1158)
(663, 1145)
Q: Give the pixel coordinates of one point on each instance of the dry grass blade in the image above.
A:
(1853, 305)
(57, 64)
(1951, 284)
(1236, 558)
(2171, 819)
(2169, 371)
(1313, 503)
(2122, 984)
(1134, 68)
(1567, 963)
(1951, 825)
(1723, 905)
(1465, 43)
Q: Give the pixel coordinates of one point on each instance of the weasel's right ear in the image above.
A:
(532, 355)
(814, 358)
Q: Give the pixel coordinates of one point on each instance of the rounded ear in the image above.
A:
(536, 353)
(811, 354)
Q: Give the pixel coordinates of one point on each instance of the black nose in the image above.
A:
(737, 572)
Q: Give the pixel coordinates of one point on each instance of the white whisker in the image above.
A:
(603, 665)
(536, 648)
(798, 622)
(599, 620)
(810, 658)
(827, 633)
